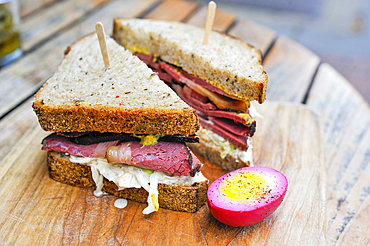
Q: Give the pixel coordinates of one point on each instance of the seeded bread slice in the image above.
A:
(225, 62)
(127, 97)
(184, 198)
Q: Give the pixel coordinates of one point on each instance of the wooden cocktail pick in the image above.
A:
(103, 45)
(210, 18)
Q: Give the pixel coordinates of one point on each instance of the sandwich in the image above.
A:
(219, 80)
(120, 130)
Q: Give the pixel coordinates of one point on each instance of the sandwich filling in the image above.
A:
(219, 112)
(128, 176)
(226, 148)
(143, 161)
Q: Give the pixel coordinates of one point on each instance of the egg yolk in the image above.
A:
(243, 187)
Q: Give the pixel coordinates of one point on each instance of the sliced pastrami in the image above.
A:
(238, 141)
(191, 100)
(222, 102)
(171, 158)
(193, 94)
(206, 106)
(148, 60)
(215, 113)
(235, 128)
(59, 143)
(163, 76)
(177, 74)
(206, 85)
(230, 115)
(171, 70)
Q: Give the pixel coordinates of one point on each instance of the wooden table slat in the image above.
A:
(47, 22)
(14, 125)
(19, 80)
(172, 10)
(291, 68)
(346, 124)
(253, 33)
(222, 21)
(27, 7)
(357, 230)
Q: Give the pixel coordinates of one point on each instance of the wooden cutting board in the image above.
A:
(36, 209)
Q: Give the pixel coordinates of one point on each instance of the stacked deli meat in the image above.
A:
(228, 117)
(169, 155)
(218, 80)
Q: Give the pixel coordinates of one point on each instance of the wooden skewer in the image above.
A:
(103, 45)
(210, 18)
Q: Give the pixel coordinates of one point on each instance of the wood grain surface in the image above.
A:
(255, 34)
(347, 147)
(15, 125)
(48, 22)
(291, 68)
(34, 207)
(222, 21)
(173, 10)
(27, 7)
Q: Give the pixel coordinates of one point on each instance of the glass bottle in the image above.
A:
(10, 41)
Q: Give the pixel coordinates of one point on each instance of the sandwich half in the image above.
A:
(119, 129)
(219, 80)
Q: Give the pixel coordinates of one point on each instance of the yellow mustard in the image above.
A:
(247, 117)
(148, 139)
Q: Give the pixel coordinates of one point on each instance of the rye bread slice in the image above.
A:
(225, 62)
(126, 97)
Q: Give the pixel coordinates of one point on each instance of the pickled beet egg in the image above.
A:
(246, 196)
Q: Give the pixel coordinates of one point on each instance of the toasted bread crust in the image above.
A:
(178, 198)
(243, 87)
(140, 121)
(229, 163)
